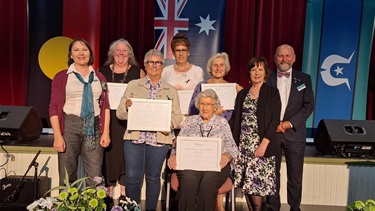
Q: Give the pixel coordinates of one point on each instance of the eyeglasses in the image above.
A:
(183, 51)
(208, 105)
(152, 63)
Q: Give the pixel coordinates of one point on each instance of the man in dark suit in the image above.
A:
(297, 103)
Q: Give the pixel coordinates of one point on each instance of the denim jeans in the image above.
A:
(144, 160)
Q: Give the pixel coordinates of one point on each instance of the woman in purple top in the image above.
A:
(218, 66)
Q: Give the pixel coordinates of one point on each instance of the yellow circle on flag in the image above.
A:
(53, 55)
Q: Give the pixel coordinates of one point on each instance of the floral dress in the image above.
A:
(255, 175)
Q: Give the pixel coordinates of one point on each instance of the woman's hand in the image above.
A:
(105, 140)
(172, 162)
(59, 144)
(259, 152)
(219, 111)
(225, 159)
(128, 103)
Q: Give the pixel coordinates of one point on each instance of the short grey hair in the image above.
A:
(208, 93)
(218, 55)
(153, 52)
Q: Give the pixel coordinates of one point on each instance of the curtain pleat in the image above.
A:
(13, 53)
(131, 20)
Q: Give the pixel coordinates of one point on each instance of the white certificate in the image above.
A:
(198, 153)
(185, 98)
(226, 92)
(115, 92)
(150, 115)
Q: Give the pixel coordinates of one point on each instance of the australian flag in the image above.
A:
(202, 21)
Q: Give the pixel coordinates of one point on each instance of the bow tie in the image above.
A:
(286, 74)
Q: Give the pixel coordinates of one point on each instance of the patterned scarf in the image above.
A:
(87, 112)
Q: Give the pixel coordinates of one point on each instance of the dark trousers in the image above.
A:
(92, 159)
(294, 158)
(198, 189)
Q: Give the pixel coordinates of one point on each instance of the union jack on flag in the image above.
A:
(202, 21)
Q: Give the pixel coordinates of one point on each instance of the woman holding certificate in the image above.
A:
(145, 150)
(218, 66)
(120, 67)
(199, 189)
(254, 123)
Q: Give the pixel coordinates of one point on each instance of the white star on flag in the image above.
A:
(206, 25)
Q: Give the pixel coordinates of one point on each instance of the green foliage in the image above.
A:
(368, 205)
(75, 197)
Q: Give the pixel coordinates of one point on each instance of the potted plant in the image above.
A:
(76, 197)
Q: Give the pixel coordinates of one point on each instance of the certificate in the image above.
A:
(115, 92)
(185, 98)
(226, 92)
(150, 115)
(198, 153)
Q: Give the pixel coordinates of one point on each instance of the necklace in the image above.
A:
(125, 74)
(182, 68)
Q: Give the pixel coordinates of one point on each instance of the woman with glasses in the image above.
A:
(145, 151)
(218, 66)
(198, 189)
(182, 75)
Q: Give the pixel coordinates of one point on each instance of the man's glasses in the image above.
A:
(152, 63)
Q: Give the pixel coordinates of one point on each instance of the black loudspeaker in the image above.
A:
(345, 137)
(26, 193)
(19, 124)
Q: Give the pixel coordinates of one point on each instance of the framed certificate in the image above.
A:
(226, 92)
(185, 98)
(115, 92)
(198, 153)
(150, 115)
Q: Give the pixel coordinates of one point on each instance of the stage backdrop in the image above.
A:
(337, 53)
(201, 21)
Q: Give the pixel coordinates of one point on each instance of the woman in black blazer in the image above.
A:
(254, 123)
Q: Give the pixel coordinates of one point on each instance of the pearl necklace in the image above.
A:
(182, 68)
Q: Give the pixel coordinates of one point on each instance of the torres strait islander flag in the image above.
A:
(337, 51)
(202, 21)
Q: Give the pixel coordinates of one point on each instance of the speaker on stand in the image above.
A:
(347, 138)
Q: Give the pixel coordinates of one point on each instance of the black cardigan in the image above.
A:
(268, 116)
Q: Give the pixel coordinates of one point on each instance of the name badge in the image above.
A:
(301, 87)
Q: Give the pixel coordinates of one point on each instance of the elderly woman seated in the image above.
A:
(199, 189)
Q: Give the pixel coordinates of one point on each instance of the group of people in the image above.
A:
(269, 117)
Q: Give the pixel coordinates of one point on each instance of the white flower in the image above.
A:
(33, 205)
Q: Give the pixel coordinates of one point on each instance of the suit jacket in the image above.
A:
(268, 116)
(300, 104)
